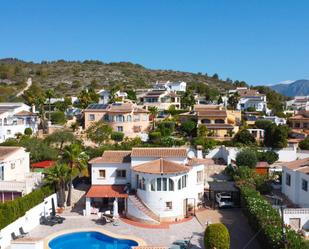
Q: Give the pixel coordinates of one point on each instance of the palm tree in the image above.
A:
(49, 94)
(58, 176)
(153, 112)
(77, 160)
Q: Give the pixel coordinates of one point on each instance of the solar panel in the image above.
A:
(97, 106)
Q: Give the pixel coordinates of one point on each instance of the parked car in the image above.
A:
(224, 200)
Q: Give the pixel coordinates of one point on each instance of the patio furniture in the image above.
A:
(15, 237)
(22, 232)
(185, 243)
(47, 221)
(175, 247)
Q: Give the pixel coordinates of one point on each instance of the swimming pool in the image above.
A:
(91, 240)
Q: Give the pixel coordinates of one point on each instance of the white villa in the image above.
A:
(105, 96)
(162, 99)
(295, 179)
(250, 98)
(174, 86)
(150, 185)
(298, 103)
(15, 176)
(15, 118)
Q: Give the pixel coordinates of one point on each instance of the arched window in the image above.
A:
(170, 185)
(141, 184)
(153, 185)
(119, 118)
(219, 121)
(179, 184)
(0, 121)
(129, 118)
(5, 121)
(206, 121)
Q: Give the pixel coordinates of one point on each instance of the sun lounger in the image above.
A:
(22, 232)
(15, 237)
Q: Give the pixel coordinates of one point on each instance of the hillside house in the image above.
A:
(122, 117)
(15, 118)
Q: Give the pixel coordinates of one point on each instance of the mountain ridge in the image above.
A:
(296, 88)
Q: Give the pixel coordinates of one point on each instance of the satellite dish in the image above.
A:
(191, 154)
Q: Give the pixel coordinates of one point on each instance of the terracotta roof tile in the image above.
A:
(113, 156)
(159, 152)
(205, 161)
(161, 166)
(212, 113)
(5, 151)
(104, 191)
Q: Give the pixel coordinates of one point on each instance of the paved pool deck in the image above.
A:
(152, 237)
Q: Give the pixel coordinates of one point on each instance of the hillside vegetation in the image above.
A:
(69, 77)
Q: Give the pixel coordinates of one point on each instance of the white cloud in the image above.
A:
(286, 82)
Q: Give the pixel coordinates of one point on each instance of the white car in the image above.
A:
(224, 200)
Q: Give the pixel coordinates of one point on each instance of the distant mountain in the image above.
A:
(296, 88)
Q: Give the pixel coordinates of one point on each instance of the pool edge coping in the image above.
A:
(47, 239)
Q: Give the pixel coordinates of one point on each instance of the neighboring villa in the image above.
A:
(299, 124)
(15, 118)
(298, 103)
(150, 185)
(295, 179)
(122, 117)
(105, 96)
(250, 98)
(220, 123)
(175, 86)
(252, 118)
(15, 177)
(162, 99)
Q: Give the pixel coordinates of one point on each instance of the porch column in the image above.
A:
(88, 206)
(115, 208)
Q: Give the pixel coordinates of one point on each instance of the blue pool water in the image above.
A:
(91, 240)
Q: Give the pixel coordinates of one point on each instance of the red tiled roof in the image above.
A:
(44, 164)
(295, 165)
(159, 152)
(161, 166)
(113, 156)
(107, 191)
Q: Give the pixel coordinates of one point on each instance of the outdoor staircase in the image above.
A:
(140, 205)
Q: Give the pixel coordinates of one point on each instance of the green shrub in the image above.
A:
(117, 136)
(12, 210)
(263, 218)
(166, 128)
(244, 137)
(267, 156)
(28, 131)
(246, 157)
(188, 127)
(58, 117)
(155, 137)
(217, 236)
(304, 145)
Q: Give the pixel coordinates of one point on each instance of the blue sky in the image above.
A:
(259, 41)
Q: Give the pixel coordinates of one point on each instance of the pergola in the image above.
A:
(223, 187)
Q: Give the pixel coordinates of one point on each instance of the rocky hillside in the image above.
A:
(69, 77)
(296, 88)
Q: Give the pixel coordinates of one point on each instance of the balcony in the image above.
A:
(32, 180)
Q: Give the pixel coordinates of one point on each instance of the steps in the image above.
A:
(144, 209)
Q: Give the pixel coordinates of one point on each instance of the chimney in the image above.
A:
(33, 108)
(199, 151)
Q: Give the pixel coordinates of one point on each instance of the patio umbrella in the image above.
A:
(115, 208)
(53, 213)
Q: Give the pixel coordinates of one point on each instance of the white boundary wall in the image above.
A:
(29, 221)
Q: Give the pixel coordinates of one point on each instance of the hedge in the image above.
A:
(217, 236)
(263, 218)
(12, 210)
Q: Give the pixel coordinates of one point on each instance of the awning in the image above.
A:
(107, 191)
(43, 164)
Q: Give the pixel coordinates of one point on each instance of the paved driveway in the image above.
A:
(236, 222)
